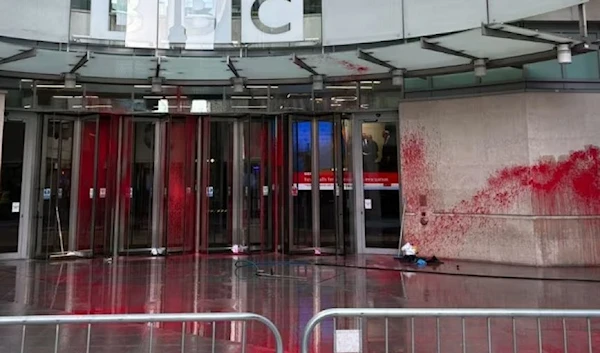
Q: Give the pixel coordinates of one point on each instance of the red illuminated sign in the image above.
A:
(371, 180)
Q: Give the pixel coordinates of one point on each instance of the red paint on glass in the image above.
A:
(176, 183)
(87, 190)
(356, 69)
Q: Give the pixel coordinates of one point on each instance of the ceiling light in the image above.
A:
(249, 107)
(563, 53)
(349, 87)
(55, 86)
(249, 97)
(260, 87)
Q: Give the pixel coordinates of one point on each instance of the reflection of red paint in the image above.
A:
(570, 186)
(176, 180)
(356, 69)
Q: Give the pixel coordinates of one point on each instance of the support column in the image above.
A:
(239, 237)
(583, 25)
(2, 103)
(315, 175)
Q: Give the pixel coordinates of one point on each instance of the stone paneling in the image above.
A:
(483, 175)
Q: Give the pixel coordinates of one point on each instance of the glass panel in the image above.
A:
(327, 180)
(454, 80)
(96, 201)
(504, 74)
(138, 162)
(381, 184)
(348, 193)
(220, 184)
(180, 179)
(117, 13)
(81, 4)
(86, 184)
(257, 193)
(584, 66)
(56, 187)
(301, 188)
(11, 177)
(545, 70)
(416, 84)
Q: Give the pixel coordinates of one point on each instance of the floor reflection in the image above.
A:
(213, 284)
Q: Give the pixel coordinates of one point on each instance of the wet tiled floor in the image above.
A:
(214, 284)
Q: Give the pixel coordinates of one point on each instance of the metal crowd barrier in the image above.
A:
(462, 314)
(58, 320)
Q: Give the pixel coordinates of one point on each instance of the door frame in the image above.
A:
(391, 116)
(191, 185)
(26, 234)
(203, 180)
(156, 246)
(338, 185)
(266, 191)
(43, 120)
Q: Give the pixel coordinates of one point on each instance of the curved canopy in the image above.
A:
(499, 45)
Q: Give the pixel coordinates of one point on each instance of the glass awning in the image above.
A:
(499, 45)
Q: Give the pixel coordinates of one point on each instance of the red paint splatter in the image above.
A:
(570, 186)
(356, 69)
(416, 172)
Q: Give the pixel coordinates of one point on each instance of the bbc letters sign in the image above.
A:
(203, 23)
(269, 21)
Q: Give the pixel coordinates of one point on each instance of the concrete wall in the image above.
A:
(509, 178)
(44, 20)
(571, 13)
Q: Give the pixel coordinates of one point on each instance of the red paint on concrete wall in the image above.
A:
(570, 186)
(416, 173)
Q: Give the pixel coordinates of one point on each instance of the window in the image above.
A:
(310, 7)
(81, 4)
(117, 13)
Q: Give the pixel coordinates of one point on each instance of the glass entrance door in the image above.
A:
(97, 181)
(320, 202)
(54, 209)
(138, 184)
(258, 184)
(380, 218)
(217, 184)
(11, 177)
(301, 220)
(180, 153)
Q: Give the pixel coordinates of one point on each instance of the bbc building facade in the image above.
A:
(467, 127)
